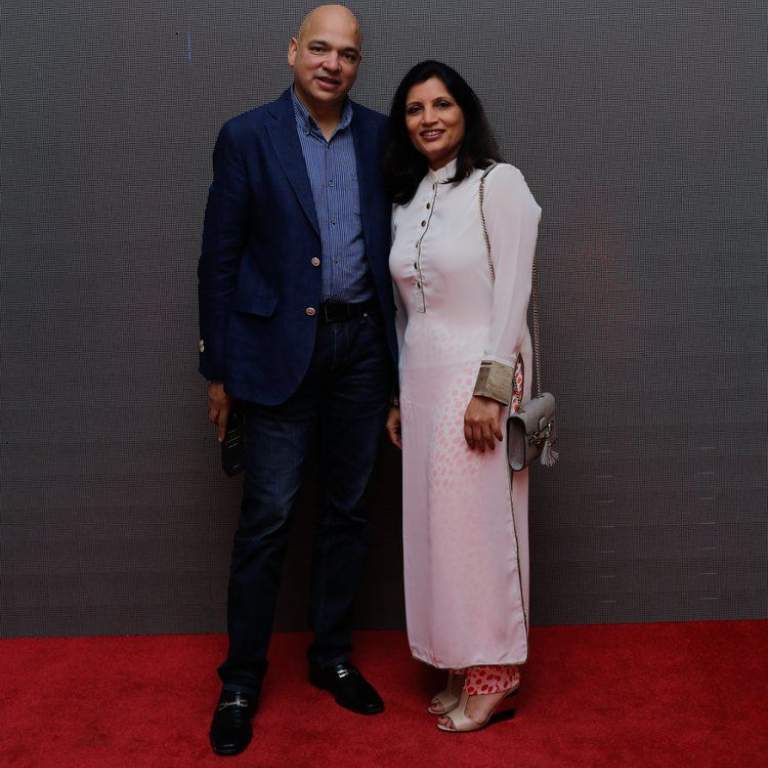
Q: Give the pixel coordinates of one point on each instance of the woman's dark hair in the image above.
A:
(404, 165)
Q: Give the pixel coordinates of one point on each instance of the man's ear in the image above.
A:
(293, 49)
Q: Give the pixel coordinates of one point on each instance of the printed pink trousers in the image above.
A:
(496, 678)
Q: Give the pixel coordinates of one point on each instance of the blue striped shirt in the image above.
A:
(332, 171)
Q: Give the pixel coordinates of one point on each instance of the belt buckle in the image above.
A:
(330, 312)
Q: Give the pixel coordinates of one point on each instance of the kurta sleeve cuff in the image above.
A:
(495, 380)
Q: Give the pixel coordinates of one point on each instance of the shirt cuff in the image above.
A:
(495, 380)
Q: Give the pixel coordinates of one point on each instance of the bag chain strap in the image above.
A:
(534, 286)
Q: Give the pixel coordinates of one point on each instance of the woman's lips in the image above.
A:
(431, 135)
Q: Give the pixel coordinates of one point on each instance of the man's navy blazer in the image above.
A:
(259, 271)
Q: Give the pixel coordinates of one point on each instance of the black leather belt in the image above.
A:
(337, 312)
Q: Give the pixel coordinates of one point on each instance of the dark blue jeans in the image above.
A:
(345, 397)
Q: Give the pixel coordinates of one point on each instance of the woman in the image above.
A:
(464, 349)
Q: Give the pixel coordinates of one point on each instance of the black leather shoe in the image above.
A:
(231, 726)
(350, 689)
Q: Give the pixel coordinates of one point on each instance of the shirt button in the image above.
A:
(415, 265)
(423, 223)
(310, 311)
(418, 285)
(429, 205)
(333, 221)
(331, 183)
(315, 262)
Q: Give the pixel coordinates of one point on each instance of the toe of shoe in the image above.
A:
(362, 699)
(229, 745)
(372, 708)
(230, 738)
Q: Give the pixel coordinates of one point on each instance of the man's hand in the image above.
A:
(482, 423)
(219, 406)
(393, 426)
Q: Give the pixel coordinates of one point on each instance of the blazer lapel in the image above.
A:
(285, 140)
(365, 157)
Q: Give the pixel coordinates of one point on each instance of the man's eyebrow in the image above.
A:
(346, 49)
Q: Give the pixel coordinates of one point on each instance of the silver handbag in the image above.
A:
(531, 431)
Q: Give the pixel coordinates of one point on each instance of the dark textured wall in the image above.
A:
(640, 129)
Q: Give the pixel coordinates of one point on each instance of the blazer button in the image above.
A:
(310, 311)
(315, 262)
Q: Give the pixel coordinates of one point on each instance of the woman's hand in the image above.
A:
(482, 423)
(393, 426)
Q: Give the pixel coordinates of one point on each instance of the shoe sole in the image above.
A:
(496, 717)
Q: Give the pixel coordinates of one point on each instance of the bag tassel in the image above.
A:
(549, 455)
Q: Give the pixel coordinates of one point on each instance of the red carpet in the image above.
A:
(643, 695)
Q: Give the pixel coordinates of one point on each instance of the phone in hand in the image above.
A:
(233, 445)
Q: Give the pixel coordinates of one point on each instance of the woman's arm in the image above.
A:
(512, 219)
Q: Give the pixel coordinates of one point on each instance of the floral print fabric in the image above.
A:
(496, 678)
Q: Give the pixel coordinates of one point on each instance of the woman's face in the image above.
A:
(434, 121)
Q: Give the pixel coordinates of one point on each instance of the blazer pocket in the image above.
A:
(261, 304)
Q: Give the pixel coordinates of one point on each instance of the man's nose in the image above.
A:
(332, 62)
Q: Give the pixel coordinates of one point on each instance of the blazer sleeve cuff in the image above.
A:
(495, 380)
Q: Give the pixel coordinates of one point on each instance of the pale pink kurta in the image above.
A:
(465, 520)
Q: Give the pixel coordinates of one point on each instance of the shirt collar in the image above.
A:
(307, 123)
(441, 175)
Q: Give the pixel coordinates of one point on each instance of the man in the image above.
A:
(296, 317)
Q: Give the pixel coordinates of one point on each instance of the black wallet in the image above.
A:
(233, 445)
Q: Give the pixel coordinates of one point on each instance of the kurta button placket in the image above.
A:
(419, 276)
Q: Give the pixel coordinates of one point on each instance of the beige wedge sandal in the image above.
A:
(462, 723)
(447, 699)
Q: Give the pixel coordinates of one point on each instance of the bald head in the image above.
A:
(338, 17)
(325, 56)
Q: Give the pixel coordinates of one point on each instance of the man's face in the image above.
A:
(325, 58)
